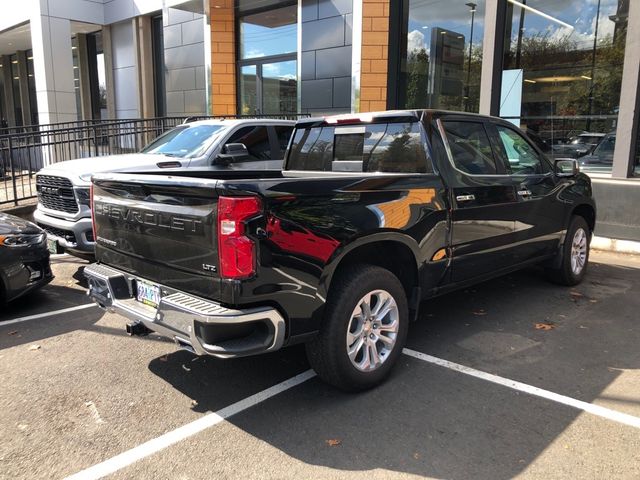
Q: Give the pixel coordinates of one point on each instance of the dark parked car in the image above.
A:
(370, 216)
(24, 257)
(602, 155)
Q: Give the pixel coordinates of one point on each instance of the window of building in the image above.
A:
(3, 112)
(31, 84)
(470, 147)
(563, 72)
(157, 45)
(267, 70)
(15, 84)
(436, 55)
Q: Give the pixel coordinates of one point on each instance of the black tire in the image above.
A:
(327, 353)
(565, 274)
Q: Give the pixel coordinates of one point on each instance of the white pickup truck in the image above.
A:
(63, 188)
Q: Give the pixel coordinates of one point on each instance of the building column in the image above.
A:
(83, 77)
(629, 115)
(8, 91)
(223, 58)
(107, 49)
(144, 63)
(492, 54)
(374, 55)
(25, 101)
(53, 69)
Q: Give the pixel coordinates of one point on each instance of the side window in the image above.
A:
(399, 150)
(522, 157)
(470, 147)
(387, 148)
(283, 132)
(312, 149)
(256, 139)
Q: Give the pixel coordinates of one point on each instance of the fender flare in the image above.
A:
(344, 250)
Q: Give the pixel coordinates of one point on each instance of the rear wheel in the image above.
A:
(364, 329)
(575, 254)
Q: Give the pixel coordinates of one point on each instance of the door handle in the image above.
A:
(465, 198)
(524, 193)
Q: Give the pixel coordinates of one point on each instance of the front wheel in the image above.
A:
(364, 329)
(575, 254)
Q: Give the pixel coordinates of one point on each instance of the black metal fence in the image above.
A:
(25, 150)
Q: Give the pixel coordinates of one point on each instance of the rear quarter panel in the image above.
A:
(311, 224)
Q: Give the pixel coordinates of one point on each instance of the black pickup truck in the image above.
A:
(372, 215)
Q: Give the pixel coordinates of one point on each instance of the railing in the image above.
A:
(25, 150)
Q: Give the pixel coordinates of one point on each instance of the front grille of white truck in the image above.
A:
(56, 193)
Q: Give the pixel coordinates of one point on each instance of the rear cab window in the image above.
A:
(370, 148)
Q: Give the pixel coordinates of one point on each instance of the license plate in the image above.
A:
(147, 293)
(52, 245)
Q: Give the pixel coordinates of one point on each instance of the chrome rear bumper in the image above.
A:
(196, 324)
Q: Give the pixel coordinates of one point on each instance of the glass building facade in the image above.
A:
(556, 69)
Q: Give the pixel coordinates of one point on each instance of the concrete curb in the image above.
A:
(613, 245)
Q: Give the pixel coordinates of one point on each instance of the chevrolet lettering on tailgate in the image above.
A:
(145, 217)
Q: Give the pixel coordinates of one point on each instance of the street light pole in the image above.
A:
(472, 6)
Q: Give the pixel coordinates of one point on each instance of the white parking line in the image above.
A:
(155, 445)
(48, 314)
(174, 436)
(523, 387)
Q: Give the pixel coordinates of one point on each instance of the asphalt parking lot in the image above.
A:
(512, 378)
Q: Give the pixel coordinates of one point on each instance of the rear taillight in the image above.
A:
(93, 217)
(236, 251)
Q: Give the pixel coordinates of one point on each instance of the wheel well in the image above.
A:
(588, 213)
(393, 256)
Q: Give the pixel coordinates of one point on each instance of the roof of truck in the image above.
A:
(240, 121)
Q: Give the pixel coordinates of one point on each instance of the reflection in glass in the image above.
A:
(279, 87)
(441, 56)
(248, 90)
(563, 71)
(268, 33)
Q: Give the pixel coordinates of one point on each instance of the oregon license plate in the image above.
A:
(147, 293)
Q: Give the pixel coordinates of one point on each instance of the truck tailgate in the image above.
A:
(161, 229)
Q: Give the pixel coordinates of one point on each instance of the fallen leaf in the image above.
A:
(479, 312)
(593, 301)
(544, 326)
(194, 403)
(34, 347)
(333, 442)
(13, 332)
(416, 456)
(573, 293)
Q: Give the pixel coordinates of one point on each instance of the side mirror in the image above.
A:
(232, 152)
(566, 167)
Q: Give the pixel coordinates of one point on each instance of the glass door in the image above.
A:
(268, 87)
(267, 70)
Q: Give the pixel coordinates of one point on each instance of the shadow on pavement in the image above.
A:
(430, 421)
